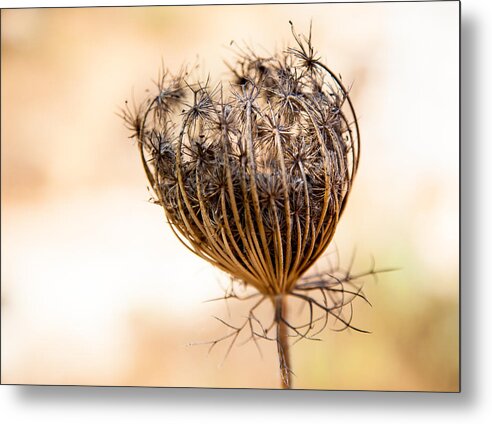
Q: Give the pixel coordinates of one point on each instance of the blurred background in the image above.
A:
(96, 289)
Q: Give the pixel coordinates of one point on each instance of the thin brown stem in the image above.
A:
(283, 347)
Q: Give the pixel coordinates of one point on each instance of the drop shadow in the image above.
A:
(469, 231)
(211, 398)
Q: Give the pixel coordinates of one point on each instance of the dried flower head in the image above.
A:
(254, 177)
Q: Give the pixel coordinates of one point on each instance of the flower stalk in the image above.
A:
(283, 347)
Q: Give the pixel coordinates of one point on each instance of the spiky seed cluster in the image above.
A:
(254, 176)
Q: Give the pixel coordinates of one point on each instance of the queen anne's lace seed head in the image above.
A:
(254, 174)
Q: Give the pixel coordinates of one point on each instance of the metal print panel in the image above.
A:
(255, 196)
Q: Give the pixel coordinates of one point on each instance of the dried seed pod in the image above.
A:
(255, 175)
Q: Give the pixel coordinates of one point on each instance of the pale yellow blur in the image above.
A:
(96, 289)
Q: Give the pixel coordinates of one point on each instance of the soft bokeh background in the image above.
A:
(95, 288)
